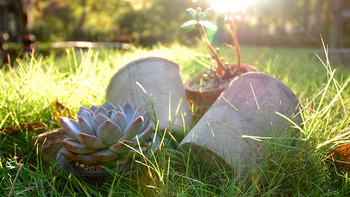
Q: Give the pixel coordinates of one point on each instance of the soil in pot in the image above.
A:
(203, 91)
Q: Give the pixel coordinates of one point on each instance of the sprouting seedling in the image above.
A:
(201, 19)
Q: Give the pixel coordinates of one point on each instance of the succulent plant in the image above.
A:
(107, 135)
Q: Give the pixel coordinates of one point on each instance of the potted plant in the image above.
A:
(106, 136)
(204, 88)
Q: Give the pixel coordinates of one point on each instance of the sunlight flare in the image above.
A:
(233, 6)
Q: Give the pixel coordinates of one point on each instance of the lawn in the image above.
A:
(293, 167)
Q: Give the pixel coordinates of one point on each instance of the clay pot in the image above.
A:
(162, 92)
(63, 163)
(49, 143)
(203, 99)
(248, 107)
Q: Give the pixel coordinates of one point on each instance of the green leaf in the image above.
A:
(208, 13)
(199, 10)
(189, 25)
(191, 13)
(208, 25)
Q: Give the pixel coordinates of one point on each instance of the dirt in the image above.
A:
(208, 83)
(85, 167)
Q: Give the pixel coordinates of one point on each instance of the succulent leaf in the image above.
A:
(107, 135)
(133, 129)
(70, 155)
(136, 153)
(119, 162)
(137, 113)
(144, 135)
(93, 108)
(76, 147)
(91, 141)
(101, 110)
(119, 108)
(146, 121)
(129, 110)
(122, 147)
(109, 132)
(70, 126)
(86, 159)
(121, 120)
(98, 120)
(85, 126)
(86, 114)
(108, 106)
(113, 113)
(104, 155)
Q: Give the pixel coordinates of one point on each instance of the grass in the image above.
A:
(292, 166)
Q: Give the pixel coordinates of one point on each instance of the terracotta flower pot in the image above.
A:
(203, 99)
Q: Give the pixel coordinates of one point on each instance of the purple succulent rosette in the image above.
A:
(107, 136)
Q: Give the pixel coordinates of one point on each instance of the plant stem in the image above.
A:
(235, 41)
(220, 65)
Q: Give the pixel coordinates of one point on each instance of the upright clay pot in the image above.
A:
(245, 110)
(203, 99)
(165, 96)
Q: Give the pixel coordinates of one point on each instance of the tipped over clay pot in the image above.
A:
(155, 84)
(248, 108)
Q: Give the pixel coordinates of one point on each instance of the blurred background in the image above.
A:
(147, 22)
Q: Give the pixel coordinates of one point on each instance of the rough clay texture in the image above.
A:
(49, 144)
(161, 79)
(246, 108)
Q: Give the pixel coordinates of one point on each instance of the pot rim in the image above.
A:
(203, 91)
(137, 62)
(122, 69)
